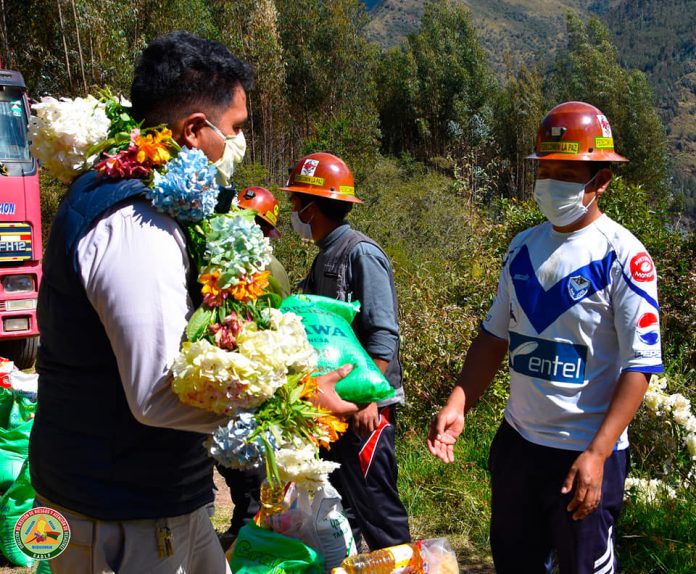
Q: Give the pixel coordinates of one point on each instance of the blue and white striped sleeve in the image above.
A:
(636, 311)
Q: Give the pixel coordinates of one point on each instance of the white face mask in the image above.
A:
(561, 201)
(304, 230)
(235, 148)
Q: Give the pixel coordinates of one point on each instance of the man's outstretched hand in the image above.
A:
(444, 430)
(327, 397)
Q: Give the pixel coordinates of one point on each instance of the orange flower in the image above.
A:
(250, 289)
(332, 428)
(153, 148)
(309, 387)
(213, 296)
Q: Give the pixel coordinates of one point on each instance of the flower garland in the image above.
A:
(242, 358)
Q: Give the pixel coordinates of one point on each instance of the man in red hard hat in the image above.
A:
(351, 266)
(576, 311)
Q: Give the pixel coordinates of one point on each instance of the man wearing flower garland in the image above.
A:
(576, 311)
(112, 448)
(351, 266)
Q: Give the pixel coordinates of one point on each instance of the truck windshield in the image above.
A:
(14, 144)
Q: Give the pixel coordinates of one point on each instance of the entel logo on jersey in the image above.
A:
(549, 360)
(642, 268)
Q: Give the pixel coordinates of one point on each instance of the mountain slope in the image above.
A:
(654, 36)
(519, 29)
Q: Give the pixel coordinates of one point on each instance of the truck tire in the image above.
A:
(21, 351)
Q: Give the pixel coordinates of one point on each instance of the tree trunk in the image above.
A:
(65, 44)
(6, 60)
(79, 47)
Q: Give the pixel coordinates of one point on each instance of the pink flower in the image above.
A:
(226, 334)
(125, 164)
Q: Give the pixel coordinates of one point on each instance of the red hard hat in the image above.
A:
(263, 202)
(575, 131)
(325, 175)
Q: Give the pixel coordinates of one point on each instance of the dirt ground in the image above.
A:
(221, 520)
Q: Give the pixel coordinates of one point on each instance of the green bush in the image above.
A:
(658, 537)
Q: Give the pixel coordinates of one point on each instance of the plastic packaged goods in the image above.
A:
(430, 556)
(18, 499)
(327, 323)
(438, 556)
(402, 559)
(328, 529)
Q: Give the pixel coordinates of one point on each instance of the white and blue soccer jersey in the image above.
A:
(577, 310)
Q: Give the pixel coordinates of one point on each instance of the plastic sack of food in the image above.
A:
(438, 557)
(327, 323)
(14, 439)
(15, 502)
(328, 529)
(295, 512)
(260, 551)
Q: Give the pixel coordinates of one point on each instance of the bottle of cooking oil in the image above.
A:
(271, 499)
(403, 559)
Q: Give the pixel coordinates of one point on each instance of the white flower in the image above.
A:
(690, 425)
(658, 383)
(675, 402)
(301, 463)
(62, 132)
(284, 345)
(221, 381)
(681, 416)
(648, 491)
(691, 445)
(654, 401)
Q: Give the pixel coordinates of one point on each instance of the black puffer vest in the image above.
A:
(87, 451)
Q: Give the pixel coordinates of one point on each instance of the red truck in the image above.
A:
(20, 225)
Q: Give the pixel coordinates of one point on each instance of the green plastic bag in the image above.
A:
(14, 445)
(6, 402)
(261, 551)
(327, 323)
(22, 411)
(15, 502)
(44, 567)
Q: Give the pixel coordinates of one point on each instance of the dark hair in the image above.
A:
(180, 73)
(334, 209)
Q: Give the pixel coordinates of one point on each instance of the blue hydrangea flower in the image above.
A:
(187, 190)
(235, 243)
(228, 445)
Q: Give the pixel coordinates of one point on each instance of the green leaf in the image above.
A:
(275, 286)
(226, 278)
(198, 323)
(270, 300)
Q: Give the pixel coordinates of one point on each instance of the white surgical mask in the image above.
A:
(304, 230)
(235, 148)
(561, 201)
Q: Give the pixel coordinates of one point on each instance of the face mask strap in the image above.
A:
(216, 129)
(301, 210)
